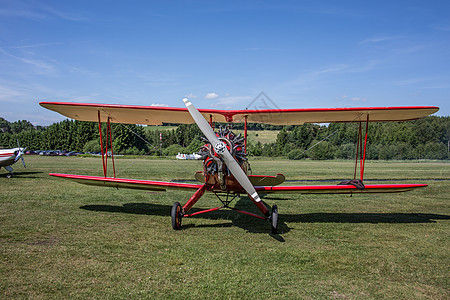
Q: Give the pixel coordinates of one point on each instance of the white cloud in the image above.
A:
(230, 102)
(379, 39)
(159, 104)
(41, 66)
(331, 69)
(359, 99)
(211, 96)
(10, 95)
(190, 96)
(37, 11)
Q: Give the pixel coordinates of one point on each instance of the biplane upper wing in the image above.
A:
(162, 186)
(156, 115)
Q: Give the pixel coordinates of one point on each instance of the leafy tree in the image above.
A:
(5, 126)
(174, 150)
(194, 145)
(21, 125)
(92, 146)
(424, 138)
(296, 154)
(255, 149)
(323, 150)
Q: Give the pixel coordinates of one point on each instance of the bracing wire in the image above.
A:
(325, 138)
(148, 143)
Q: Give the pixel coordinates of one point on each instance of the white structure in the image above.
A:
(188, 156)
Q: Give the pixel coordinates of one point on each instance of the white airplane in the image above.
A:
(8, 157)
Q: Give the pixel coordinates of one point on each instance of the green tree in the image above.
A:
(296, 154)
(321, 151)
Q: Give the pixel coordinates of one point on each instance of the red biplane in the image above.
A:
(225, 164)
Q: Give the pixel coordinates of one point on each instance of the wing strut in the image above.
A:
(105, 150)
(360, 152)
(245, 134)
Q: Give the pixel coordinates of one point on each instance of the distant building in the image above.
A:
(188, 156)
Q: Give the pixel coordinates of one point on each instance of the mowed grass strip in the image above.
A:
(59, 239)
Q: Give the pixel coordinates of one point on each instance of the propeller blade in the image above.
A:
(23, 162)
(20, 154)
(221, 149)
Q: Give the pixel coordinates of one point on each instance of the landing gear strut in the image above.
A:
(176, 216)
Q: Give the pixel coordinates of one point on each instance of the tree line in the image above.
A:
(427, 138)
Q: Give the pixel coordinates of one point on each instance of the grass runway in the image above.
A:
(63, 240)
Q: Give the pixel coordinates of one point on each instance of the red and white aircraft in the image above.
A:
(225, 166)
(8, 157)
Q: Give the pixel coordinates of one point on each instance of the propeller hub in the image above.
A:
(220, 148)
(211, 154)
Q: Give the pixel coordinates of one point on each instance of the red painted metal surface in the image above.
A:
(360, 151)
(101, 143)
(203, 211)
(248, 213)
(337, 189)
(245, 135)
(110, 143)
(358, 142)
(137, 182)
(365, 146)
(162, 185)
(197, 195)
(260, 206)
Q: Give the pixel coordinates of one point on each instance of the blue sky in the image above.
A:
(222, 54)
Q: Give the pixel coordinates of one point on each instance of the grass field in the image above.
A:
(159, 127)
(263, 136)
(254, 136)
(63, 240)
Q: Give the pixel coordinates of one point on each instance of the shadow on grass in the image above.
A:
(21, 174)
(254, 225)
(231, 218)
(373, 218)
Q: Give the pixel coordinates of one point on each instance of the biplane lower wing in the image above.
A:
(136, 184)
(338, 189)
(164, 186)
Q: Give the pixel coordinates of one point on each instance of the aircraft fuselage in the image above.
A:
(10, 156)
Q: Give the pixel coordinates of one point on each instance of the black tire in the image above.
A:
(176, 216)
(274, 219)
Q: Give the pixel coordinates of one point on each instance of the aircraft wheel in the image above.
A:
(274, 219)
(176, 216)
(8, 175)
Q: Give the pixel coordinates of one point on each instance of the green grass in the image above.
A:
(159, 127)
(263, 136)
(62, 240)
(254, 136)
